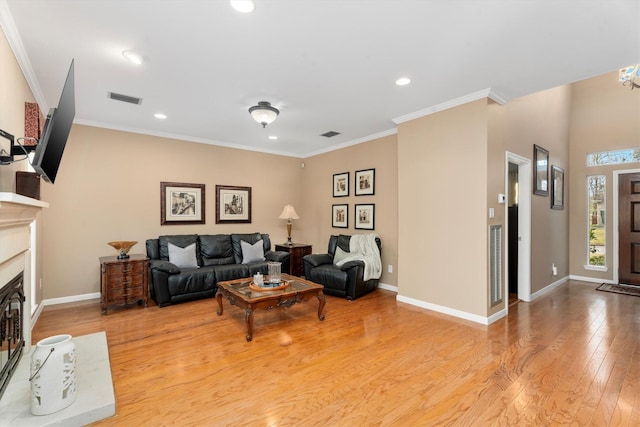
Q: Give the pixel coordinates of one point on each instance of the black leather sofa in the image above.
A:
(345, 281)
(219, 257)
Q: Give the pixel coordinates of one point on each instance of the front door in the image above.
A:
(629, 228)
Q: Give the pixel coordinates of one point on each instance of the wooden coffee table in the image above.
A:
(240, 293)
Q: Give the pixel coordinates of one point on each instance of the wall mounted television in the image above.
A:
(57, 126)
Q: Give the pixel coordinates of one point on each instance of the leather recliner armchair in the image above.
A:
(346, 280)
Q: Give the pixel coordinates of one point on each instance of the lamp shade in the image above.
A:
(288, 213)
(264, 113)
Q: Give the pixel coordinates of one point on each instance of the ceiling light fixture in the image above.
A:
(273, 137)
(133, 56)
(160, 116)
(243, 6)
(403, 81)
(264, 113)
(630, 76)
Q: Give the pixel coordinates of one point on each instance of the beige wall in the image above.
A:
(108, 188)
(380, 154)
(604, 116)
(543, 119)
(442, 205)
(435, 181)
(451, 171)
(14, 92)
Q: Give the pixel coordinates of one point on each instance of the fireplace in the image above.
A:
(11, 327)
(18, 261)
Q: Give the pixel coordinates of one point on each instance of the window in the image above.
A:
(614, 157)
(596, 192)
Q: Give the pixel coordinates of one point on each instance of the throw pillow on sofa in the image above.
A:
(252, 253)
(183, 257)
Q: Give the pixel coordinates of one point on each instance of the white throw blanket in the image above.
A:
(363, 247)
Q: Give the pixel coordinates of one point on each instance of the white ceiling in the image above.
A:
(328, 65)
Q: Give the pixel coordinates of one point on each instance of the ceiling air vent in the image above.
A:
(124, 98)
(330, 134)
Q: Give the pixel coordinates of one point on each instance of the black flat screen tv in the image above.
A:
(55, 132)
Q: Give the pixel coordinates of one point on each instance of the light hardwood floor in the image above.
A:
(571, 357)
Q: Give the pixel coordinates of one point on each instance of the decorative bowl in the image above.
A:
(123, 247)
(283, 284)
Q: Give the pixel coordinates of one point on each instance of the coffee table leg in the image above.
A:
(219, 299)
(248, 315)
(323, 301)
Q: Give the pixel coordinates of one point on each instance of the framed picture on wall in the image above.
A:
(365, 216)
(233, 204)
(181, 203)
(341, 184)
(557, 187)
(340, 216)
(365, 182)
(540, 171)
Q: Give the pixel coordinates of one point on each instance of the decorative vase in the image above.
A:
(53, 375)
(123, 247)
(274, 272)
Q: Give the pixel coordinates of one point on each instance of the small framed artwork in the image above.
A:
(340, 216)
(365, 182)
(365, 216)
(540, 171)
(181, 203)
(233, 204)
(341, 184)
(557, 187)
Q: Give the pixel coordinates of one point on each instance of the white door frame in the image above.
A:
(616, 237)
(524, 226)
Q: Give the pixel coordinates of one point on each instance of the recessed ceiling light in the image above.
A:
(160, 116)
(243, 6)
(403, 81)
(273, 137)
(133, 56)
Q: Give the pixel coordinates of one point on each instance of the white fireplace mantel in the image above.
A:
(17, 209)
(17, 251)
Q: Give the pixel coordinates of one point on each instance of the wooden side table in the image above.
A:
(296, 252)
(123, 281)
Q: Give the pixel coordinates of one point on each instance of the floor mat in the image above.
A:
(620, 289)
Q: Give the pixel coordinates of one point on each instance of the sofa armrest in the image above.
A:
(314, 260)
(277, 256)
(164, 266)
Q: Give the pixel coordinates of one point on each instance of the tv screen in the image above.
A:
(55, 132)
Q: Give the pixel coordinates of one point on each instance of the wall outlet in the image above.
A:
(390, 268)
(554, 269)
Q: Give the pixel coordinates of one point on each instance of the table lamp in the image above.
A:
(289, 213)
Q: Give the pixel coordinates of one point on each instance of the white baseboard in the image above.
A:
(548, 288)
(497, 316)
(445, 310)
(36, 315)
(388, 287)
(474, 317)
(592, 280)
(73, 298)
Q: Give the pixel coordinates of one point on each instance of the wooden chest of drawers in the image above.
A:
(296, 252)
(123, 281)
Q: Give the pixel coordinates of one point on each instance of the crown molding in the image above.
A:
(481, 94)
(368, 138)
(15, 42)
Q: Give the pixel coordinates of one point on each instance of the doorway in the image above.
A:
(518, 219)
(512, 235)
